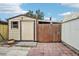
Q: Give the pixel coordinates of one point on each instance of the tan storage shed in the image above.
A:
(22, 28)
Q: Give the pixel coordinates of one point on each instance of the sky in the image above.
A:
(55, 10)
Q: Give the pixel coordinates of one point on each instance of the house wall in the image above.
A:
(70, 33)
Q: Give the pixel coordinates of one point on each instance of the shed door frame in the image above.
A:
(21, 29)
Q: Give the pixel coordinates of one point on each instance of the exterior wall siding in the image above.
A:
(14, 33)
(70, 33)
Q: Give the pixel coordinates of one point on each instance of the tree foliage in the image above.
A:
(38, 14)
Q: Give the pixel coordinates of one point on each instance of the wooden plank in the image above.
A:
(48, 33)
(43, 33)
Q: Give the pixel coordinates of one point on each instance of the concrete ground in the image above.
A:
(18, 49)
(14, 51)
(30, 44)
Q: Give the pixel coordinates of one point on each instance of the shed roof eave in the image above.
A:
(70, 20)
(20, 15)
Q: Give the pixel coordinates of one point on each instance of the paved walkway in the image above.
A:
(50, 49)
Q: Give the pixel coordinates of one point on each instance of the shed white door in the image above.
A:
(27, 30)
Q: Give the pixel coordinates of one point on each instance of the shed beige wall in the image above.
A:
(14, 33)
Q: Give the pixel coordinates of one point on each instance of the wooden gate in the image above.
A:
(47, 32)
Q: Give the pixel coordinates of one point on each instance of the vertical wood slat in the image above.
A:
(49, 33)
(3, 31)
(43, 33)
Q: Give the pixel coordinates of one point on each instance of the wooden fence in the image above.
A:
(49, 32)
(3, 30)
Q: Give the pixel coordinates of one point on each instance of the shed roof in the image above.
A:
(71, 17)
(20, 15)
